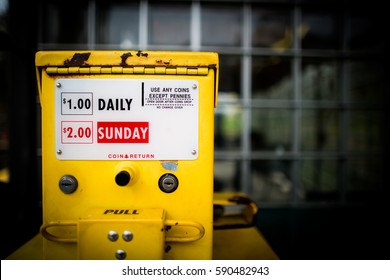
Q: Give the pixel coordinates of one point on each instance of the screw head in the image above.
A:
(112, 235)
(127, 235)
(120, 254)
(194, 86)
(58, 85)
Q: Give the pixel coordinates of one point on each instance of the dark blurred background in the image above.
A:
(302, 117)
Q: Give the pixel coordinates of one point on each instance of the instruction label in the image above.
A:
(119, 119)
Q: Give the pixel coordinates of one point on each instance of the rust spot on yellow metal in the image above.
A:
(140, 53)
(78, 59)
(124, 58)
(167, 249)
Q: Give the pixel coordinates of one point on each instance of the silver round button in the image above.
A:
(127, 235)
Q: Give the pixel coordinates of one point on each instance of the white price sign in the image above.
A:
(126, 119)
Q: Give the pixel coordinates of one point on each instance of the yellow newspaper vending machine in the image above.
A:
(127, 153)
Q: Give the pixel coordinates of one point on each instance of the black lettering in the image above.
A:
(119, 104)
(102, 104)
(121, 211)
(182, 90)
(110, 105)
(180, 95)
(128, 102)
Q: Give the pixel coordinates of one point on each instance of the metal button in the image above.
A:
(127, 235)
(122, 178)
(112, 235)
(120, 254)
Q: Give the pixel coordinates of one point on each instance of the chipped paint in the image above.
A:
(124, 58)
(140, 53)
(78, 59)
(170, 165)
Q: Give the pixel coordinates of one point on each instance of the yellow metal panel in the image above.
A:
(181, 70)
(192, 202)
(203, 71)
(242, 244)
(135, 236)
(74, 70)
(51, 70)
(128, 70)
(139, 70)
(106, 70)
(63, 70)
(160, 69)
(192, 71)
(4, 175)
(149, 70)
(126, 58)
(95, 70)
(117, 69)
(171, 71)
(231, 244)
(84, 70)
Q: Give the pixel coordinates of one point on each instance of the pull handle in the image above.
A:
(186, 238)
(52, 237)
(168, 225)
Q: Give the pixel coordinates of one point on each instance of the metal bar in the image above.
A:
(344, 116)
(91, 36)
(297, 87)
(246, 77)
(143, 24)
(195, 26)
